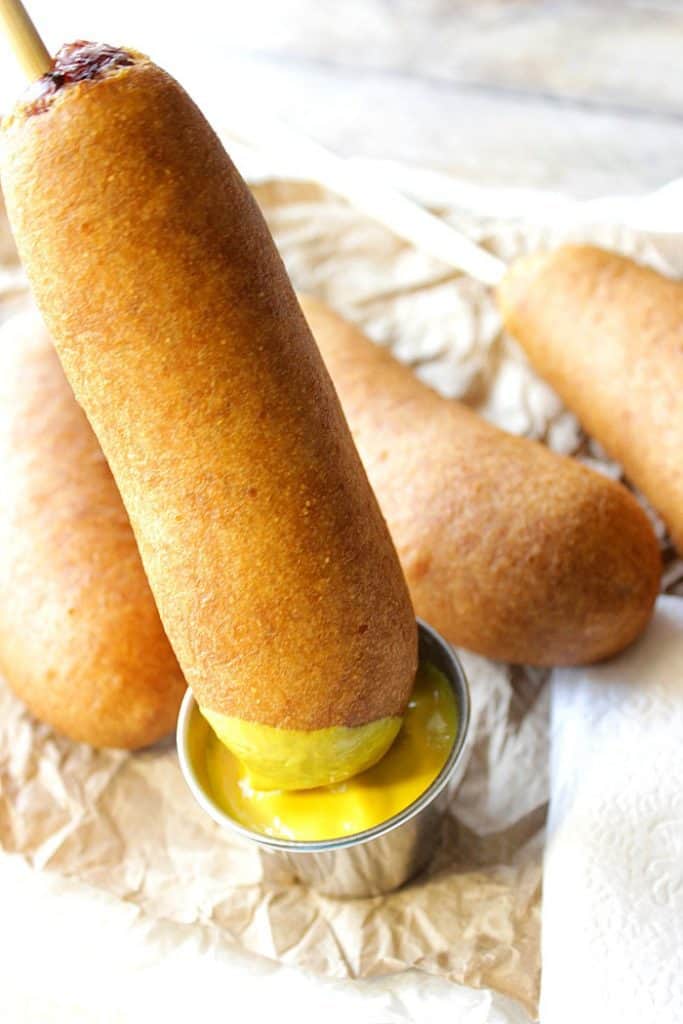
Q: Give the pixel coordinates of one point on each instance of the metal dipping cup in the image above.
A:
(368, 863)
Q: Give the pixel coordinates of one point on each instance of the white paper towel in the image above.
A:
(613, 885)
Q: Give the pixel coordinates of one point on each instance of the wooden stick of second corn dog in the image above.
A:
(380, 202)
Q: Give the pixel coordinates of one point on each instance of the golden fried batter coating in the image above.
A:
(509, 549)
(607, 333)
(268, 557)
(81, 641)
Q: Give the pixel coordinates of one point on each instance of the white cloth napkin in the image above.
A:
(613, 884)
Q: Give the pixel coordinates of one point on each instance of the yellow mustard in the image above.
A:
(297, 759)
(416, 757)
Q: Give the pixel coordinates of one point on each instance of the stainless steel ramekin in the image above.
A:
(368, 863)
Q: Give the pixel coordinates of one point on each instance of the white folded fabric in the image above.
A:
(613, 884)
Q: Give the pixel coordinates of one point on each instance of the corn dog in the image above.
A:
(80, 637)
(272, 568)
(509, 549)
(607, 334)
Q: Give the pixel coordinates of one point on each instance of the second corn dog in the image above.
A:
(509, 549)
(607, 333)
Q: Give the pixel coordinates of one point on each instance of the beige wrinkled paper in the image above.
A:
(126, 825)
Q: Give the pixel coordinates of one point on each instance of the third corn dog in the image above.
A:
(80, 638)
(607, 333)
(508, 548)
(271, 565)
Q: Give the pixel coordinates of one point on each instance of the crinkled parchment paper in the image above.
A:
(124, 826)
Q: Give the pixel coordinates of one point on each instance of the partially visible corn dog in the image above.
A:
(607, 333)
(80, 637)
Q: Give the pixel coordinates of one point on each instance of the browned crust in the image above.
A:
(607, 333)
(80, 637)
(509, 549)
(268, 557)
(80, 63)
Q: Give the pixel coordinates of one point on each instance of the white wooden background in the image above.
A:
(585, 97)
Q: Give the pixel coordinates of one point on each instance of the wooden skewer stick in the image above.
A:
(29, 48)
(402, 215)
